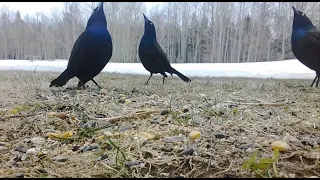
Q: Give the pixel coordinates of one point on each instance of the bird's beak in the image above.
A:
(145, 18)
(295, 10)
(100, 7)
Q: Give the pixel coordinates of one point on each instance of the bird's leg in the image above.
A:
(317, 84)
(96, 83)
(148, 79)
(80, 85)
(314, 80)
(163, 79)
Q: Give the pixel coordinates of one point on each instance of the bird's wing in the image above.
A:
(76, 50)
(79, 48)
(162, 56)
(313, 38)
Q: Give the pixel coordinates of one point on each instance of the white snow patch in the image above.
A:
(288, 69)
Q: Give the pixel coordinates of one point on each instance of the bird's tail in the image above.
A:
(62, 79)
(183, 77)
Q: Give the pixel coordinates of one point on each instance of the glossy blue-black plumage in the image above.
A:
(305, 42)
(90, 53)
(152, 56)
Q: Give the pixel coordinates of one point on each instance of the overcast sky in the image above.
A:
(32, 7)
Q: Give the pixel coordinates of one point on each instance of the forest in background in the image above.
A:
(188, 32)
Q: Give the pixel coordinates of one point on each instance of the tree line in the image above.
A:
(188, 32)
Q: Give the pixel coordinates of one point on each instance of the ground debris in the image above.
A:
(148, 134)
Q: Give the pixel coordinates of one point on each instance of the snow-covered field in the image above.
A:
(277, 69)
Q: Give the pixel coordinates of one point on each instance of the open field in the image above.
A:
(145, 128)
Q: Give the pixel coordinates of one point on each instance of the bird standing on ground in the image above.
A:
(152, 56)
(305, 43)
(90, 53)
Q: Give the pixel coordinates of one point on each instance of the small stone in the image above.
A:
(221, 135)
(59, 159)
(22, 149)
(187, 151)
(19, 175)
(164, 112)
(2, 144)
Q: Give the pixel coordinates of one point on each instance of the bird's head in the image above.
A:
(148, 26)
(97, 17)
(301, 20)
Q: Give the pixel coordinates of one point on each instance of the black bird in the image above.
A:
(90, 53)
(305, 43)
(152, 56)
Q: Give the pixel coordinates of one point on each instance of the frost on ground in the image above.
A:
(129, 129)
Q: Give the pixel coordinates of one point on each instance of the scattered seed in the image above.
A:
(221, 135)
(164, 112)
(103, 157)
(187, 152)
(75, 148)
(89, 148)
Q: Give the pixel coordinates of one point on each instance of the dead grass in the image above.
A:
(252, 112)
